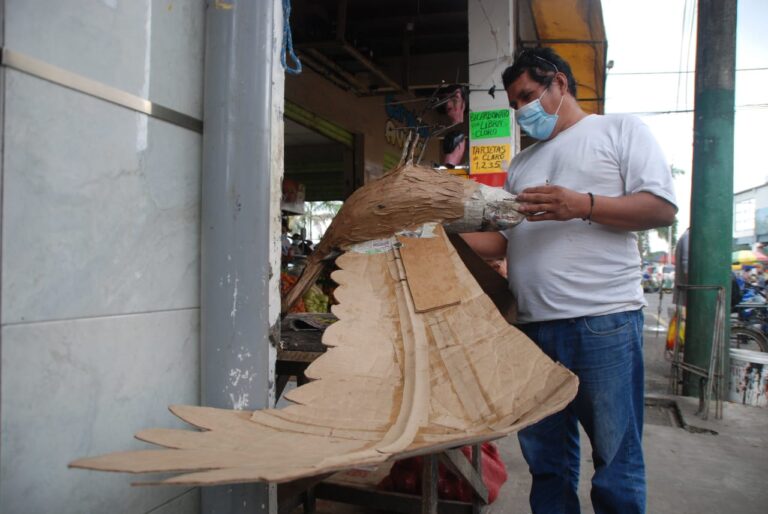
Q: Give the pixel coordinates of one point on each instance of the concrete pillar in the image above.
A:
(491, 50)
(242, 172)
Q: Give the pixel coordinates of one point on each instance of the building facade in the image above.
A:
(750, 216)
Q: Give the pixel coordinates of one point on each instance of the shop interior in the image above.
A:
(386, 65)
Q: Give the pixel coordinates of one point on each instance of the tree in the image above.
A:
(317, 216)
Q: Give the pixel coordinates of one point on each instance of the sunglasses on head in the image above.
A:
(528, 52)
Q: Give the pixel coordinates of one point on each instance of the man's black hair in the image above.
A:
(541, 64)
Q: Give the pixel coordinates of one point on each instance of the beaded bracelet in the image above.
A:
(588, 217)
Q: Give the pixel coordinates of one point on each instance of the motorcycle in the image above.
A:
(749, 320)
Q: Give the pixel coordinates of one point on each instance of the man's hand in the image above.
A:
(553, 203)
(637, 211)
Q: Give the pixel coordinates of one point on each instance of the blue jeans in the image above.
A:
(606, 353)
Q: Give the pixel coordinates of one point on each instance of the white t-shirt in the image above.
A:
(569, 269)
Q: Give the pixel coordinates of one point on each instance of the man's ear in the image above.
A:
(562, 82)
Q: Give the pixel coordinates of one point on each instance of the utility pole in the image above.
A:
(712, 183)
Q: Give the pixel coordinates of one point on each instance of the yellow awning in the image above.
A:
(575, 30)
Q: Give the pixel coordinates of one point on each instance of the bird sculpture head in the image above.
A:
(403, 199)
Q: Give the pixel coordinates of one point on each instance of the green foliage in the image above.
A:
(317, 216)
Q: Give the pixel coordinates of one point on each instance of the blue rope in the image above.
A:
(288, 41)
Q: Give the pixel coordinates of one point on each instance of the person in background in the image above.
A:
(285, 239)
(737, 290)
(681, 268)
(746, 269)
(455, 144)
(587, 184)
(752, 279)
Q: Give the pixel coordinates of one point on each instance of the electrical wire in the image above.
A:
(694, 8)
(680, 72)
(680, 54)
(742, 107)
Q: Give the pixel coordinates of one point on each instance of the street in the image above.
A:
(655, 335)
(654, 321)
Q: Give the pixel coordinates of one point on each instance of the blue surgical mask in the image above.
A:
(535, 121)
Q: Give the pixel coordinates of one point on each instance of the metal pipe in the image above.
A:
(236, 228)
(712, 183)
(406, 64)
(355, 54)
(564, 41)
(372, 67)
(341, 20)
(356, 86)
(417, 87)
(76, 82)
(323, 70)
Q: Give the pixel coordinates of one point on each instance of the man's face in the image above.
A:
(525, 90)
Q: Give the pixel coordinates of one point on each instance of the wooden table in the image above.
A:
(295, 351)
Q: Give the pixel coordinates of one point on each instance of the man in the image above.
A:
(574, 267)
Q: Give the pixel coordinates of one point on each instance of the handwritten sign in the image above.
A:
(488, 124)
(489, 158)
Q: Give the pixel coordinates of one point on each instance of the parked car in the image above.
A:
(651, 280)
(668, 277)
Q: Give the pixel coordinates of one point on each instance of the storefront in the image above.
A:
(374, 72)
(370, 69)
(145, 147)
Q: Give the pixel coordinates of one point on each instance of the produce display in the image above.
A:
(314, 300)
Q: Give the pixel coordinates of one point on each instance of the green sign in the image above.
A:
(488, 124)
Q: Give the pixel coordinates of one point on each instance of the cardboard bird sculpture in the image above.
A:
(419, 360)
(403, 199)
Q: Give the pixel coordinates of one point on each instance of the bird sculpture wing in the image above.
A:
(419, 360)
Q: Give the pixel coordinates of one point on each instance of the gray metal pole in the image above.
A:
(712, 185)
(235, 262)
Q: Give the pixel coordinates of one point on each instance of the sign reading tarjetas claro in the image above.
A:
(489, 158)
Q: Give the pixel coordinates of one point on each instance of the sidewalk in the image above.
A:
(687, 473)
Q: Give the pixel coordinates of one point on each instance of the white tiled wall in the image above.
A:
(100, 250)
(101, 207)
(81, 388)
(149, 48)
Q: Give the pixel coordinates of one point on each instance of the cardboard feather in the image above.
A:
(409, 371)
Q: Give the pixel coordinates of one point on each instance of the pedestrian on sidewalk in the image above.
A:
(587, 184)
